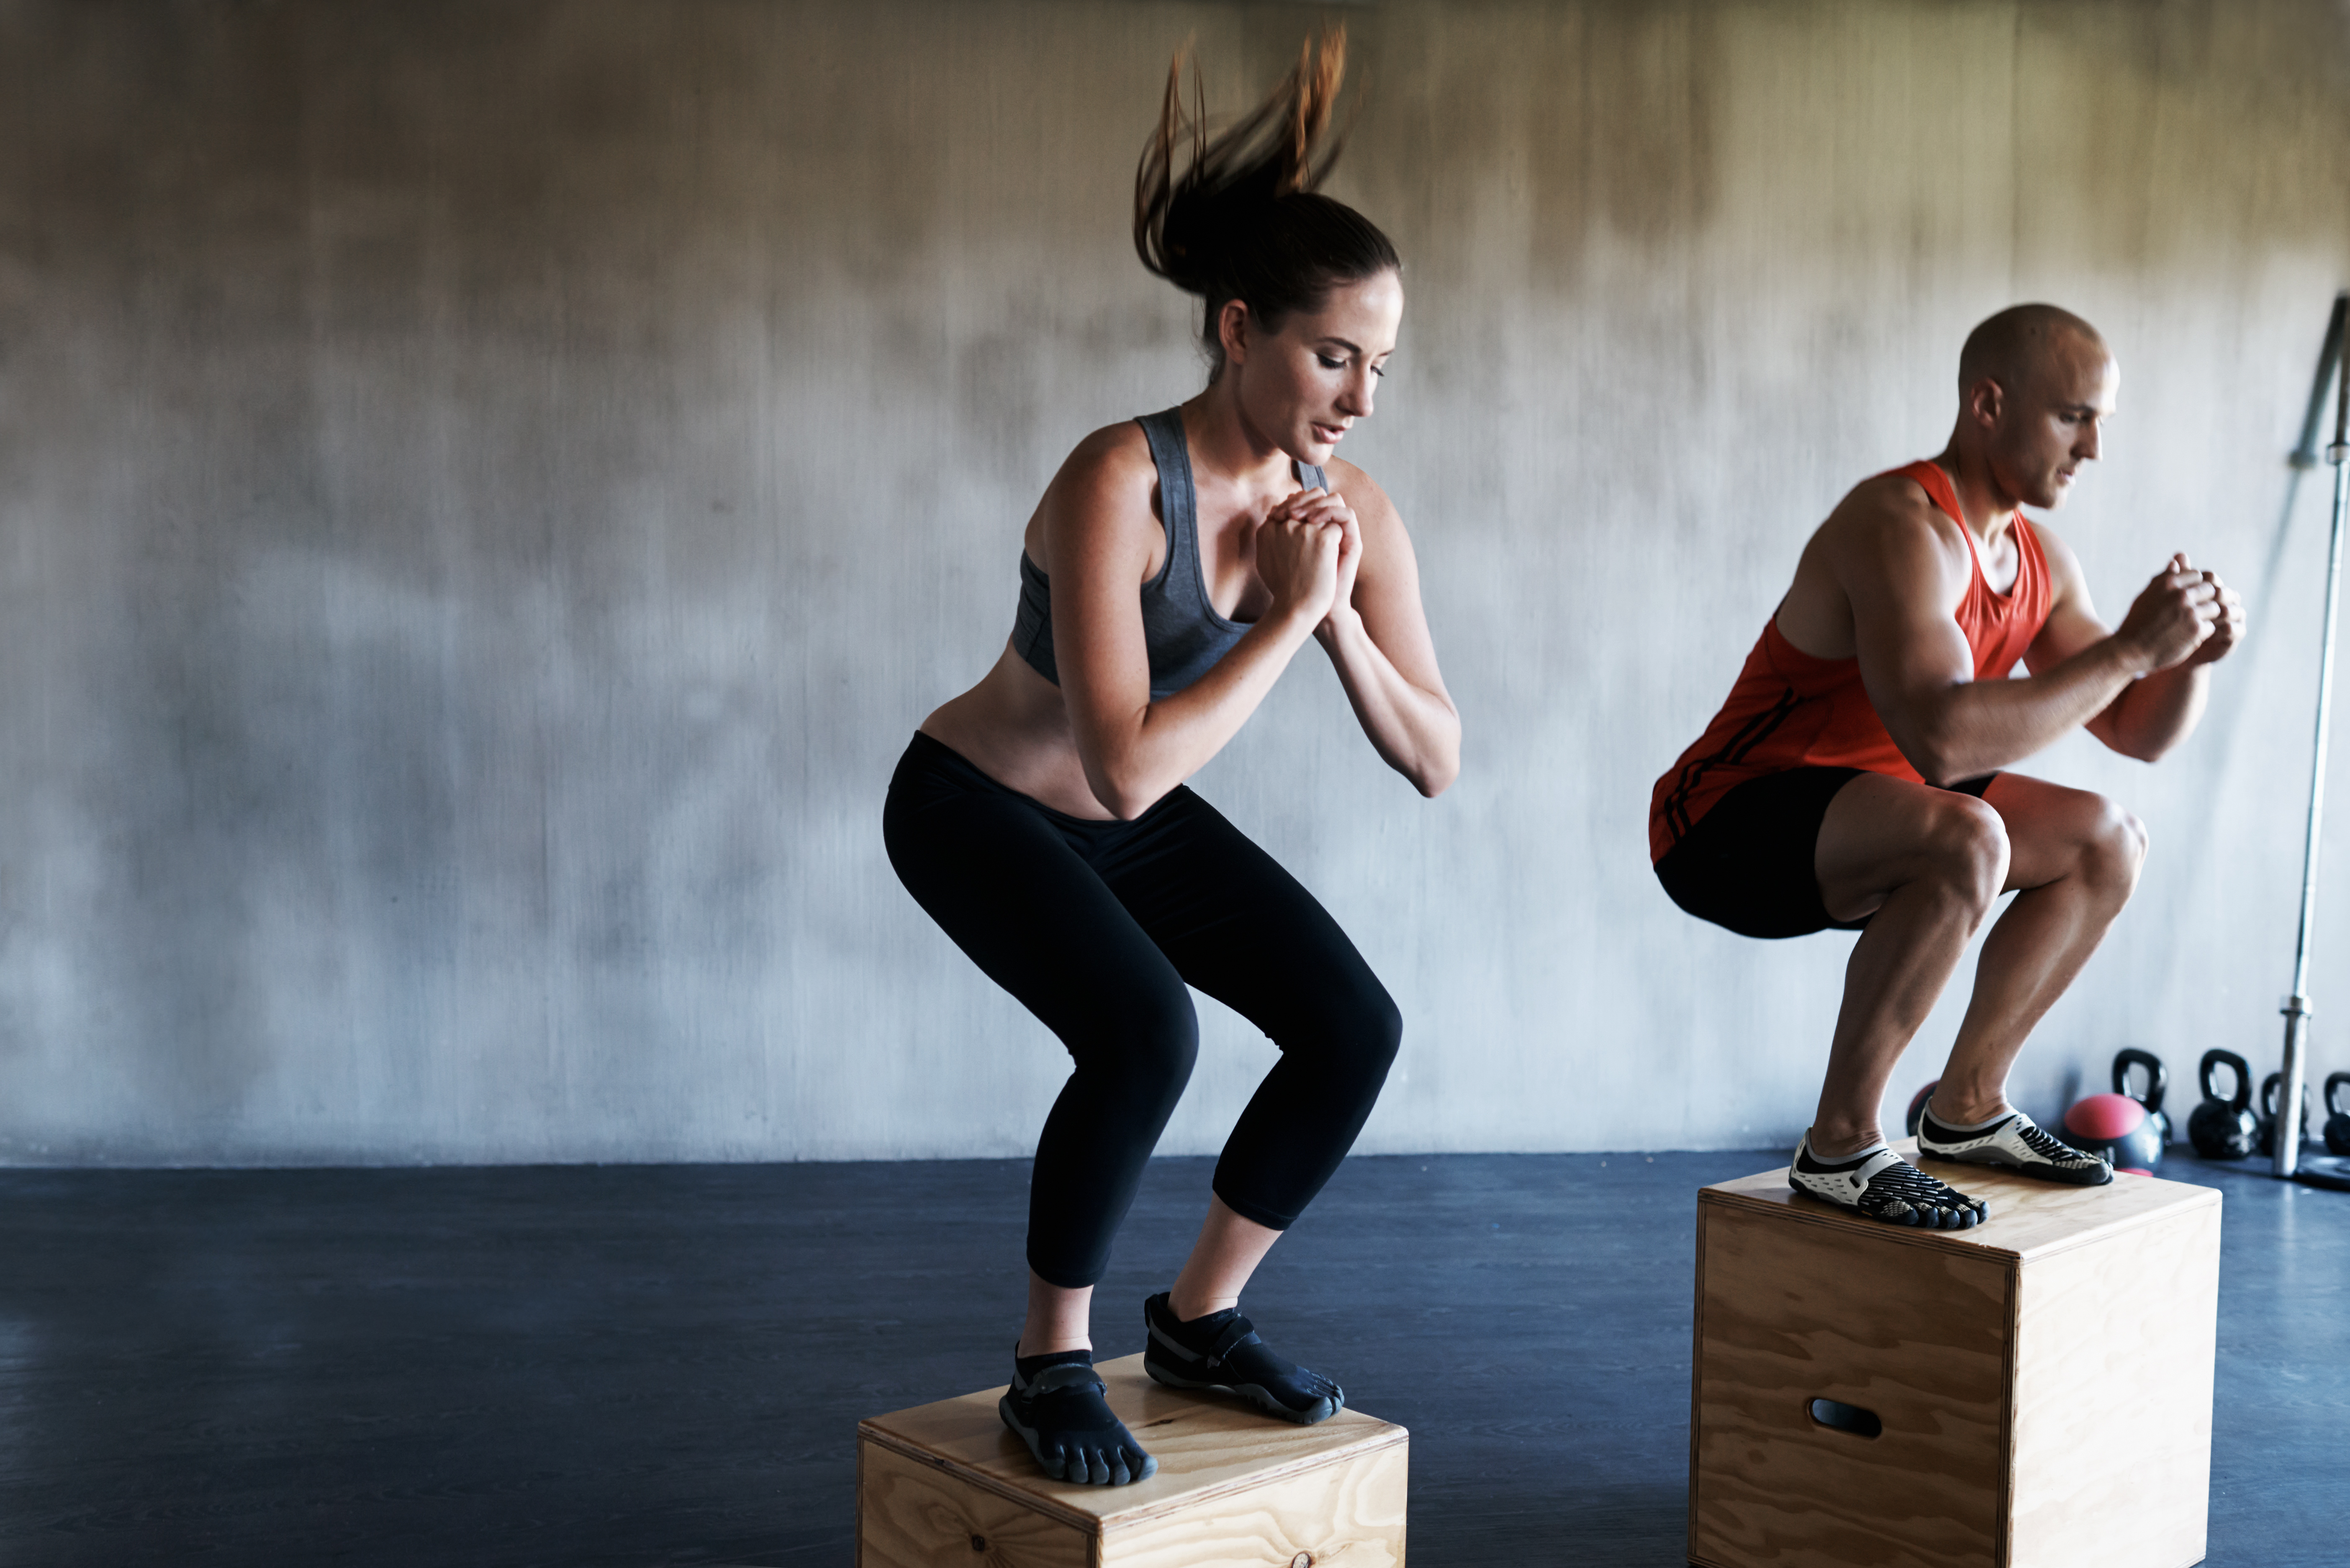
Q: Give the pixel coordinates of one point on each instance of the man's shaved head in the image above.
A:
(2036, 385)
(2010, 346)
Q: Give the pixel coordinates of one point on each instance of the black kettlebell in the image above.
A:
(2337, 1120)
(2157, 1081)
(2224, 1130)
(2268, 1088)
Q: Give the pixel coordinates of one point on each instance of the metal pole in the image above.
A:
(2305, 451)
(2296, 1006)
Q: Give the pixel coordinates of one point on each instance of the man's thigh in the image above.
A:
(1746, 865)
(2048, 826)
(1881, 832)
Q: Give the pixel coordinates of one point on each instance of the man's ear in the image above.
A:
(1986, 400)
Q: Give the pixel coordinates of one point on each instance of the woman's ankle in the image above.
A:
(1191, 1309)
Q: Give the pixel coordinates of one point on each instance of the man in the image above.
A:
(1854, 778)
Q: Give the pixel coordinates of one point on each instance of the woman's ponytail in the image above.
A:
(1243, 219)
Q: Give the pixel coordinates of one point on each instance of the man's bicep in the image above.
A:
(1907, 660)
(1910, 647)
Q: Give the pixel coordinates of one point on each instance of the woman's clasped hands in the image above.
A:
(1307, 548)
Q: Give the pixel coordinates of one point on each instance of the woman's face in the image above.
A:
(1302, 386)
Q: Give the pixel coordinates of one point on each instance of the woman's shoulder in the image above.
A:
(1361, 490)
(1112, 464)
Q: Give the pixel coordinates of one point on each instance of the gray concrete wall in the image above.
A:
(485, 491)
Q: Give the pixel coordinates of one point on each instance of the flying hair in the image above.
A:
(1245, 219)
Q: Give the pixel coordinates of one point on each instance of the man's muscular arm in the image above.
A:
(2154, 713)
(1903, 567)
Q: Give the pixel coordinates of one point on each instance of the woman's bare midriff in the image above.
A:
(1014, 727)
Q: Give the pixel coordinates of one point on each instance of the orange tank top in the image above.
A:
(1790, 710)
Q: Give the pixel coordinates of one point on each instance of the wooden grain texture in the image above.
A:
(2115, 1349)
(1234, 1488)
(911, 1514)
(1344, 1514)
(1789, 1313)
(2029, 1219)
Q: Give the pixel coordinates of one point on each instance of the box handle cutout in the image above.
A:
(1843, 1417)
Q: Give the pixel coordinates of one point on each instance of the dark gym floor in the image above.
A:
(665, 1365)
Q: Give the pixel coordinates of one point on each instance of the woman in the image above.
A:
(1174, 566)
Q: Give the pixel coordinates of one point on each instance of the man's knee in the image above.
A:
(1967, 848)
(2112, 847)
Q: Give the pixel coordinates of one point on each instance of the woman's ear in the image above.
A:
(1232, 331)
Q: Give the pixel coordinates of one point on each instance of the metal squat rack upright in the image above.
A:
(2293, 1075)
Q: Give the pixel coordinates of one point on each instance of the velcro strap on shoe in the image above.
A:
(1877, 1162)
(1237, 1332)
(1068, 1374)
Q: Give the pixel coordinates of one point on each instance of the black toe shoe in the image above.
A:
(1223, 1351)
(1070, 1429)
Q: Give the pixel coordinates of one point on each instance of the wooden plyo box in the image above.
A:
(2042, 1381)
(947, 1486)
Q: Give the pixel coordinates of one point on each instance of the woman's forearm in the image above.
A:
(1416, 731)
(1132, 760)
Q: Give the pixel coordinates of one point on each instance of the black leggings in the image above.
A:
(1096, 927)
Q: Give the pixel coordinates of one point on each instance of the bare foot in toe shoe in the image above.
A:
(1221, 1350)
(1069, 1428)
(1880, 1184)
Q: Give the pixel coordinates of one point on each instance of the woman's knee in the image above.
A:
(1359, 1029)
(1378, 1028)
(1383, 1033)
(1142, 1050)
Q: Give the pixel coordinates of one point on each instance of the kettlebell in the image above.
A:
(2268, 1088)
(2157, 1081)
(2337, 1120)
(2128, 1132)
(2224, 1130)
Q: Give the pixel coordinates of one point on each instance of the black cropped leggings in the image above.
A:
(1097, 927)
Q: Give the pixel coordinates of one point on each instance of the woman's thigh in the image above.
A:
(1007, 887)
(1238, 926)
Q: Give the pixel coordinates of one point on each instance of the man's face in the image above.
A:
(2054, 422)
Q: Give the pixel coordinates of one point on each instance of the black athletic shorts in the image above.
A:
(1749, 863)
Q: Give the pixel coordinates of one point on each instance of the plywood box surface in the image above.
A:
(2042, 1382)
(946, 1484)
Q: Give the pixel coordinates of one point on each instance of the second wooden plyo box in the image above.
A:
(2040, 1387)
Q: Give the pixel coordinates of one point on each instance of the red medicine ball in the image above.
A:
(2117, 1126)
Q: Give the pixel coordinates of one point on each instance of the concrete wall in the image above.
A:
(486, 490)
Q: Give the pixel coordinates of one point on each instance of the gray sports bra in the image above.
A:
(1180, 630)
